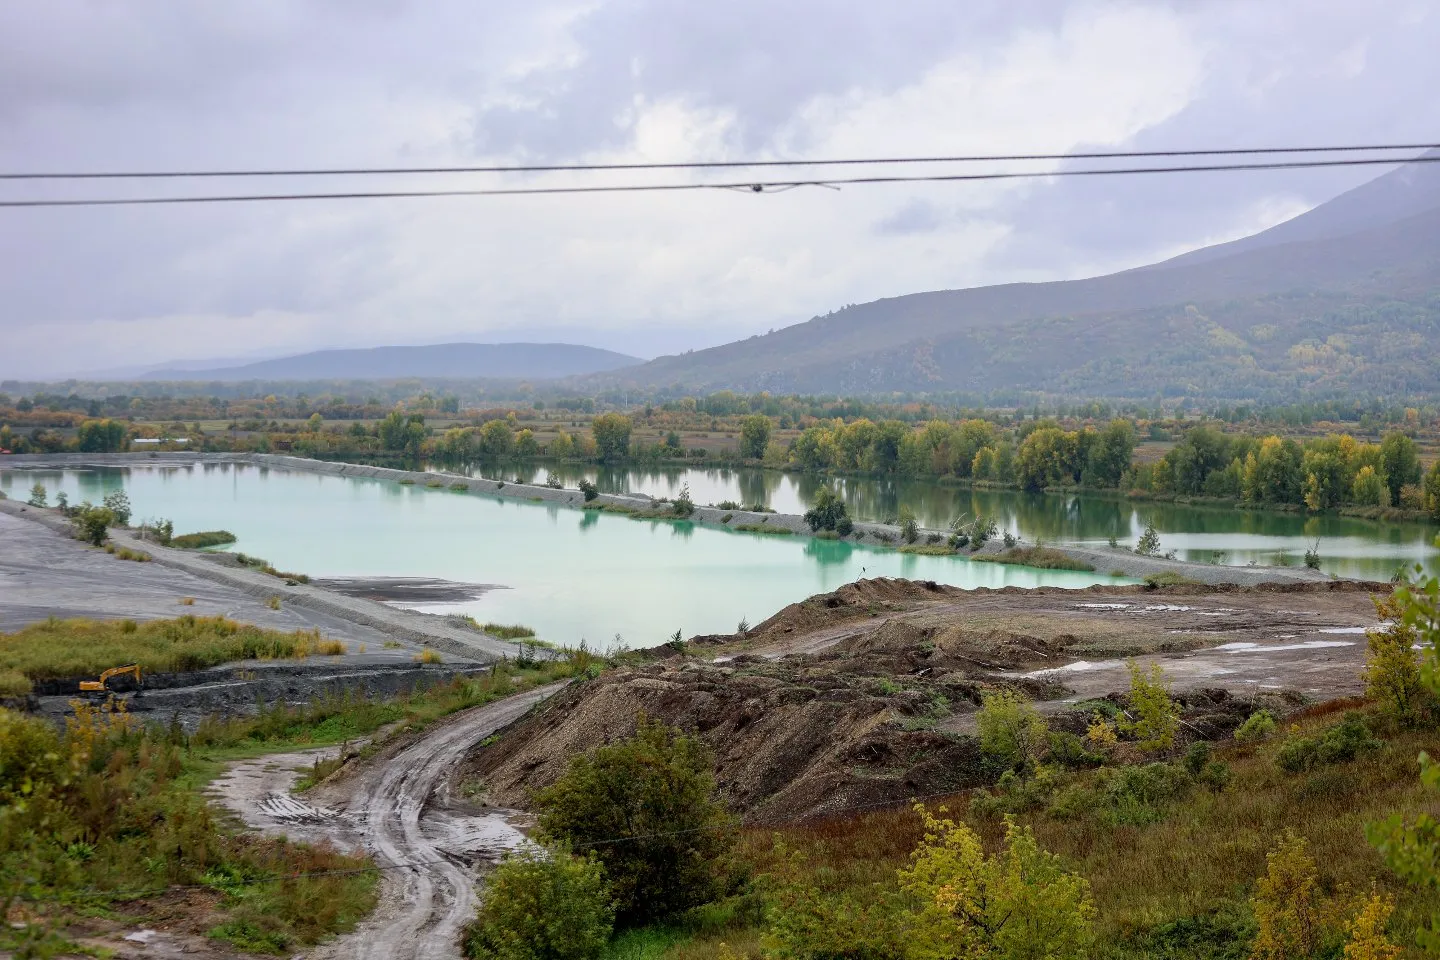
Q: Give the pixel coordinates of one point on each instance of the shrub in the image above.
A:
(909, 528)
(1340, 743)
(683, 505)
(1258, 726)
(1021, 902)
(119, 506)
(1149, 543)
(91, 523)
(38, 496)
(1288, 905)
(827, 512)
(554, 482)
(588, 490)
(1154, 717)
(1392, 666)
(1008, 539)
(1014, 794)
(655, 788)
(1125, 796)
(543, 905)
(844, 526)
(1011, 729)
(1312, 557)
(727, 505)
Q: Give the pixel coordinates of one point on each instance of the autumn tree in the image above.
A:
(1019, 904)
(1153, 718)
(1289, 909)
(612, 436)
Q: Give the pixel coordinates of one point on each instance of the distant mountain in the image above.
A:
(1342, 300)
(514, 361)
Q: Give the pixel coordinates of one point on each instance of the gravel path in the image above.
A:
(397, 809)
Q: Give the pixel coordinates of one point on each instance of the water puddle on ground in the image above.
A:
(1249, 647)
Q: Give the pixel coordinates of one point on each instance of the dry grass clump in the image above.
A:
(427, 656)
(56, 649)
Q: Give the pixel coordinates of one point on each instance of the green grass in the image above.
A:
(110, 819)
(1046, 558)
(763, 528)
(929, 549)
(508, 631)
(205, 538)
(57, 649)
(461, 487)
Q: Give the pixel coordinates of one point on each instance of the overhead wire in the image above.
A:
(700, 164)
(760, 186)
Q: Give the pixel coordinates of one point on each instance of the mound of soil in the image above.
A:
(790, 741)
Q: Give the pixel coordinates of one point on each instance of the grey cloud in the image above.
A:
(276, 82)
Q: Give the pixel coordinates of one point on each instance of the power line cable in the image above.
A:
(771, 186)
(702, 164)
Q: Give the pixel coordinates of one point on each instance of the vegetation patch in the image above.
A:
(929, 549)
(1046, 558)
(203, 539)
(60, 649)
(101, 815)
(763, 528)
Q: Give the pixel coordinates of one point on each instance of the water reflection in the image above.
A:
(1347, 546)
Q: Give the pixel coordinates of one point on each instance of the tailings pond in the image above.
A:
(1348, 546)
(571, 574)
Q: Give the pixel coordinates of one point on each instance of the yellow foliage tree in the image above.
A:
(1020, 904)
(1366, 936)
(1291, 912)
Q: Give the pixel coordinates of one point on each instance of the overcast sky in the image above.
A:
(179, 84)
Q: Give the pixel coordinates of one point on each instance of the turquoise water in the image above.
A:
(1348, 547)
(571, 574)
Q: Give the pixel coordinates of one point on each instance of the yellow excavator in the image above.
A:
(102, 685)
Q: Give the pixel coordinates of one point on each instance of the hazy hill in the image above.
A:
(525, 361)
(1343, 299)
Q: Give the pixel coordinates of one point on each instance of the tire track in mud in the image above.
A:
(428, 895)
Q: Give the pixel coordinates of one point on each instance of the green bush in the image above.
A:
(1340, 743)
(543, 905)
(1258, 726)
(119, 506)
(91, 523)
(1070, 751)
(1011, 729)
(656, 790)
(683, 505)
(1149, 543)
(587, 489)
(909, 528)
(828, 511)
(1125, 796)
(38, 496)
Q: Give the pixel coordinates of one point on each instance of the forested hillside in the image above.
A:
(1344, 300)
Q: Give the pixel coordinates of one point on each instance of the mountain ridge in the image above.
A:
(1312, 278)
(524, 361)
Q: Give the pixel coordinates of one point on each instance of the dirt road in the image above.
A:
(399, 808)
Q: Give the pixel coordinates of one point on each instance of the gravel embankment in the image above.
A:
(388, 622)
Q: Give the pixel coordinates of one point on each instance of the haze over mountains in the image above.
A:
(523, 361)
(1344, 299)
(1341, 301)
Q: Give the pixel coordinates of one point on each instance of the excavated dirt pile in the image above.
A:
(868, 695)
